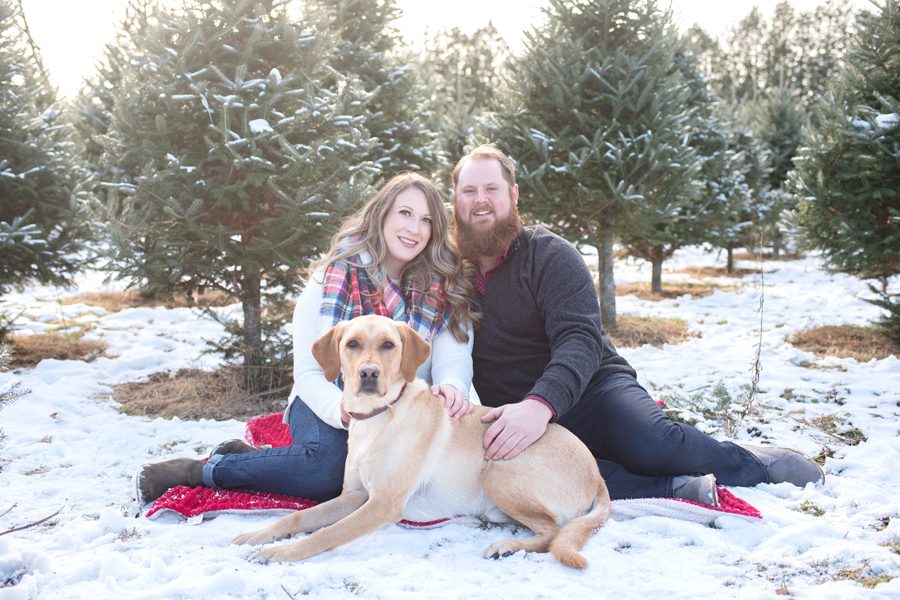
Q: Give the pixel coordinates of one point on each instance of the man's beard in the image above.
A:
(492, 241)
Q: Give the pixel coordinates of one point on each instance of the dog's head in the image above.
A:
(376, 355)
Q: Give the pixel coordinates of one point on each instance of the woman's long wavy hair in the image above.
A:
(364, 231)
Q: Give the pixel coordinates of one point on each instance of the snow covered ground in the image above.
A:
(68, 449)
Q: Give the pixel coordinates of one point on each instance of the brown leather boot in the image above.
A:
(152, 481)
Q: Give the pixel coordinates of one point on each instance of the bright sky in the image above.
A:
(72, 33)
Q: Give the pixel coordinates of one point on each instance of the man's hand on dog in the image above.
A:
(516, 426)
(456, 404)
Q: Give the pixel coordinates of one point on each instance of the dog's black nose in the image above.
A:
(368, 374)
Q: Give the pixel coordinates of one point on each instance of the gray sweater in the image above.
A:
(541, 330)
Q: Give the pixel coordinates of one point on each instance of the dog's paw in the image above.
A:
(501, 549)
(253, 538)
(241, 540)
(263, 556)
(274, 554)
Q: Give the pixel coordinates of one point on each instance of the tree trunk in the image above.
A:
(252, 330)
(656, 262)
(729, 262)
(605, 260)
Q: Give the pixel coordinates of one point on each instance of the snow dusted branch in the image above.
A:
(35, 524)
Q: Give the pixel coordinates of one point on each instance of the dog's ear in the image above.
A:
(326, 351)
(415, 351)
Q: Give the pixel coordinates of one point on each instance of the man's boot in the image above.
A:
(152, 481)
(784, 464)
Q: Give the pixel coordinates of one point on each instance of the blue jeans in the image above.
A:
(312, 467)
(639, 449)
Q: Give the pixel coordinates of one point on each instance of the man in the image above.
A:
(541, 355)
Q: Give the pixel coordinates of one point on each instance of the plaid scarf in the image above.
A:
(350, 291)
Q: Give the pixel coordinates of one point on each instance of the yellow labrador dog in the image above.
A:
(407, 459)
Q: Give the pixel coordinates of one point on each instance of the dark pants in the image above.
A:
(639, 449)
(312, 467)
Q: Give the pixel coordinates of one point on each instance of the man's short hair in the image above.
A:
(488, 151)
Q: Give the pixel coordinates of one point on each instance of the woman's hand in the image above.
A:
(456, 404)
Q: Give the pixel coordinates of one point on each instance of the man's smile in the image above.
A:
(482, 210)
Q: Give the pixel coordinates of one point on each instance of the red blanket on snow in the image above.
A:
(199, 502)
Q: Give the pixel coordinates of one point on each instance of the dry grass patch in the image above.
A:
(835, 426)
(671, 290)
(29, 350)
(194, 394)
(767, 256)
(116, 301)
(717, 272)
(845, 341)
(632, 332)
(863, 575)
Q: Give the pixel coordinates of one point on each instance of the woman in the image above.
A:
(393, 257)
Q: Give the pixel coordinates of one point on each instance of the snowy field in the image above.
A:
(67, 449)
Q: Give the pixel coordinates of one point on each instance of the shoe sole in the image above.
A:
(135, 482)
(714, 491)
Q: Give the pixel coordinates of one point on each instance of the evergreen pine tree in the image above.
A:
(597, 124)
(822, 40)
(465, 74)
(742, 78)
(708, 55)
(713, 213)
(41, 225)
(370, 49)
(872, 75)
(751, 165)
(779, 126)
(725, 198)
(800, 52)
(91, 110)
(770, 75)
(848, 175)
(734, 163)
(12, 390)
(246, 155)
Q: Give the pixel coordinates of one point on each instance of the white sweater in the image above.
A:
(450, 360)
